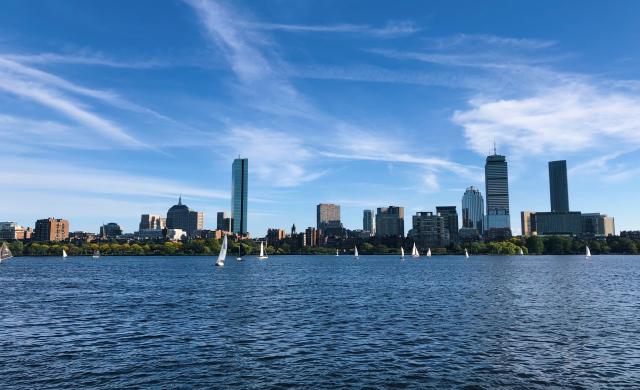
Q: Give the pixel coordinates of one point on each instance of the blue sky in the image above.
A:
(110, 109)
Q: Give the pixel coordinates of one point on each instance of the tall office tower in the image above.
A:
(223, 222)
(239, 195)
(151, 221)
(51, 229)
(497, 190)
(182, 217)
(327, 215)
(450, 215)
(368, 222)
(558, 186)
(390, 221)
(473, 209)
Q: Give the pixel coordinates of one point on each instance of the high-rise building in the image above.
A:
(239, 195)
(368, 222)
(497, 192)
(274, 236)
(51, 229)
(151, 221)
(13, 231)
(450, 215)
(311, 236)
(598, 224)
(473, 209)
(327, 214)
(527, 223)
(390, 221)
(183, 218)
(110, 230)
(558, 186)
(429, 230)
(223, 222)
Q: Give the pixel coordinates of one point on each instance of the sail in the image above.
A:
(64, 253)
(96, 254)
(588, 252)
(429, 252)
(223, 250)
(355, 251)
(337, 253)
(261, 249)
(5, 252)
(520, 252)
(466, 253)
(414, 251)
(402, 252)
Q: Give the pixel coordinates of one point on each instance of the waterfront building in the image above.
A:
(149, 234)
(558, 186)
(450, 215)
(152, 221)
(13, 231)
(51, 229)
(368, 222)
(552, 223)
(598, 224)
(527, 223)
(175, 234)
(239, 195)
(274, 236)
(223, 222)
(429, 230)
(473, 209)
(110, 230)
(80, 236)
(182, 217)
(327, 214)
(390, 221)
(468, 235)
(497, 192)
(311, 234)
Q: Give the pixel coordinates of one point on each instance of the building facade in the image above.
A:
(558, 186)
(239, 195)
(528, 223)
(223, 222)
(110, 230)
(182, 217)
(368, 222)
(13, 231)
(51, 229)
(450, 215)
(274, 236)
(473, 209)
(311, 234)
(497, 191)
(598, 224)
(152, 221)
(428, 230)
(327, 214)
(390, 221)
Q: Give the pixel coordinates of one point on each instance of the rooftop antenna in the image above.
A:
(495, 152)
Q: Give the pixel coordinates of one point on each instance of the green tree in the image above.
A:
(535, 245)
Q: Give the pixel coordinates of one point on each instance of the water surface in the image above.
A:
(320, 322)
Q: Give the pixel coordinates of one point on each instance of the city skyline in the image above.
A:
(395, 105)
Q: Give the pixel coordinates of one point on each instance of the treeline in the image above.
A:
(550, 245)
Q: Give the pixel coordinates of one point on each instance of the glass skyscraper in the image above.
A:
(497, 190)
(473, 209)
(368, 221)
(239, 195)
(558, 187)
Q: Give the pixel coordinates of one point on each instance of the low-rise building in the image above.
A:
(51, 229)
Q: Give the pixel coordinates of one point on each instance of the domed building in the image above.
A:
(182, 217)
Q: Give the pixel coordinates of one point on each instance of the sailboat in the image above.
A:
(429, 252)
(337, 253)
(355, 252)
(466, 253)
(5, 252)
(588, 253)
(520, 252)
(223, 253)
(64, 253)
(262, 256)
(402, 253)
(96, 254)
(239, 258)
(414, 251)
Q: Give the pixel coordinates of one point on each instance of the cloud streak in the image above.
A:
(392, 29)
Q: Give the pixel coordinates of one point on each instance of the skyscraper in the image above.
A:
(223, 222)
(497, 190)
(390, 221)
(182, 217)
(473, 209)
(558, 187)
(239, 195)
(450, 215)
(327, 214)
(368, 222)
(151, 221)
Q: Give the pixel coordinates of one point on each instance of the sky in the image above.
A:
(112, 109)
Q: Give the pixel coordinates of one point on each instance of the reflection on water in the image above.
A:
(320, 322)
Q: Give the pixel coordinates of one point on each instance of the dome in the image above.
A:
(179, 207)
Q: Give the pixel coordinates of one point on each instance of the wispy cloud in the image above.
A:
(81, 59)
(484, 40)
(391, 30)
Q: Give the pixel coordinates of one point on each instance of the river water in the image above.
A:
(320, 322)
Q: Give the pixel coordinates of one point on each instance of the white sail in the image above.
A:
(355, 252)
(414, 251)
(466, 253)
(64, 253)
(5, 252)
(262, 255)
(429, 252)
(337, 253)
(401, 252)
(588, 253)
(223, 253)
(96, 254)
(520, 252)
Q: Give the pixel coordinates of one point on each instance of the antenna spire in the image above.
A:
(180, 200)
(495, 151)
